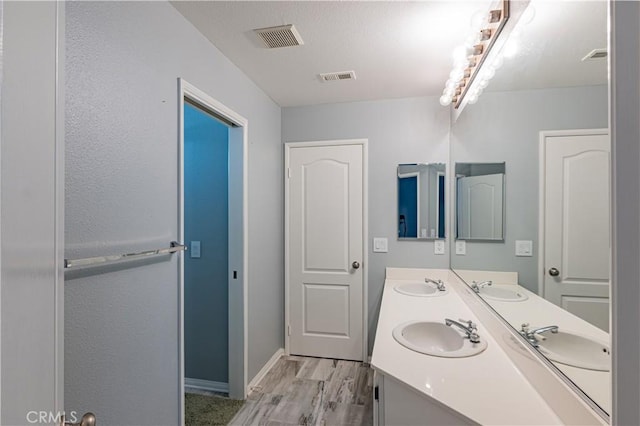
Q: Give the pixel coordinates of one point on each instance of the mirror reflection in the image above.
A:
(479, 201)
(421, 201)
(545, 114)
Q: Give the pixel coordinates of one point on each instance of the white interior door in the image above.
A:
(576, 230)
(325, 250)
(480, 207)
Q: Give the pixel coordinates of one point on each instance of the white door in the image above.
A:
(480, 207)
(576, 223)
(325, 250)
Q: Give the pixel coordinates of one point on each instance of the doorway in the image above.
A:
(212, 223)
(325, 249)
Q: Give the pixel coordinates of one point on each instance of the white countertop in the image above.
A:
(487, 387)
(539, 312)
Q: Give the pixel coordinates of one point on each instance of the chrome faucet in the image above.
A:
(476, 286)
(470, 329)
(439, 284)
(530, 335)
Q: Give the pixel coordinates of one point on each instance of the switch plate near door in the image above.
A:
(195, 249)
(380, 245)
(524, 248)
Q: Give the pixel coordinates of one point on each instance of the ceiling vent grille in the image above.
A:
(336, 76)
(596, 54)
(282, 36)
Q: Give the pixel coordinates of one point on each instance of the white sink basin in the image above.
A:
(436, 339)
(419, 289)
(503, 293)
(577, 351)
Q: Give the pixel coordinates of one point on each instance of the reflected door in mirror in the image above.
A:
(576, 223)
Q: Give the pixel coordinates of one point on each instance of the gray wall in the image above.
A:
(625, 134)
(123, 62)
(206, 219)
(505, 126)
(399, 131)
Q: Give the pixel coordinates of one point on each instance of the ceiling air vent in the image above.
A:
(282, 36)
(335, 76)
(596, 54)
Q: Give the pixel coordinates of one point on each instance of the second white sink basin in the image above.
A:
(436, 339)
(505, 293)
(577, 351)
(419, 289)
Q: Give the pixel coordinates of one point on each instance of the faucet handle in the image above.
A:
(469, 323)
(525, 327)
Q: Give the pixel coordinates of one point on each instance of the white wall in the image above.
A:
(124, 60)
(505, 126)
(31, 210)
(400, 131)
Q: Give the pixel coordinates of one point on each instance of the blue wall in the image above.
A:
(206, 152)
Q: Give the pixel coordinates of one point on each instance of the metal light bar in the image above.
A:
(103, 260)
(499, 17)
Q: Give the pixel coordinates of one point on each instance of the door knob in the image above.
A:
(89, 419)
(554, 272)
(355, 264)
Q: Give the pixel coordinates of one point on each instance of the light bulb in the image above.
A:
(472, 99)
(459, 54)
(445, 100)
(498, 61)
(456, 74)
(488, 72)
(482, 83)
(477, 20)
(511, 48)
(528, 14)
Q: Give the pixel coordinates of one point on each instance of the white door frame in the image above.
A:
(365, 234)
(541, 190)
(238, 288)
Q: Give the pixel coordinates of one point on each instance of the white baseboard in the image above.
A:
(205, 385)
(265, 369)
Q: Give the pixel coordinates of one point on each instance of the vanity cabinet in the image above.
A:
(396, 404)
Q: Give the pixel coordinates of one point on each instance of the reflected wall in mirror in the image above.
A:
(545, 113)
(480, 201)
(421, 201)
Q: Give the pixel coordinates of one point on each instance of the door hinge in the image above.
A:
(288, 330)
(376, 394)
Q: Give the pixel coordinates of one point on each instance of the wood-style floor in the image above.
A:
(311, 391)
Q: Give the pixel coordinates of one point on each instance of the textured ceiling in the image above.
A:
(397, 49)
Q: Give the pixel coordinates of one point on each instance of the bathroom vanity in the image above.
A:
(500, 382)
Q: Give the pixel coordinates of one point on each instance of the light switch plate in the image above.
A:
(195, 249)
(438, 247)
(524, 248)
(461, 247)
(380, 245)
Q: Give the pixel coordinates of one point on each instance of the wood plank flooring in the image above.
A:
(311, 391)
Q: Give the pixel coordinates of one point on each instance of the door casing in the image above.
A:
(365, 233)
(238, 247)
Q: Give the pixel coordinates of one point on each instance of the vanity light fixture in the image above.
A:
(471, 72)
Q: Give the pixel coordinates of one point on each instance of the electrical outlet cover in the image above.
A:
(461, 247)
(438, 247)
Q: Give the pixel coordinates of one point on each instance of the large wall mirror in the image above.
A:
(545, 115)
(421, 201)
